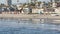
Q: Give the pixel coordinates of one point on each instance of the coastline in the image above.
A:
(27, 16)
(34, 17)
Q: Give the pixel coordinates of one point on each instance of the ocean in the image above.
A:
(28, 26)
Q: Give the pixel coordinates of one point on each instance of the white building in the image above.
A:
(41, 5)
(36, 10)
(54, 3)
(57, 10)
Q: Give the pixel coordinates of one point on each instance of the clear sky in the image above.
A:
(20, 1)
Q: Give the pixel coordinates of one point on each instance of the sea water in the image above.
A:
(27, 26)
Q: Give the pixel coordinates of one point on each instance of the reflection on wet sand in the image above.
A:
(57, 21)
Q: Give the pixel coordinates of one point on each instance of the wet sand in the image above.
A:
(34, 17)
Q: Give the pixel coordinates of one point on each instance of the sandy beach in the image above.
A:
(27, 16)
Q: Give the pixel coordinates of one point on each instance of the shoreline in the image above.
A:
(38, 16)
(35, 17)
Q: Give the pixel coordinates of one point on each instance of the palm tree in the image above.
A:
(39, 3)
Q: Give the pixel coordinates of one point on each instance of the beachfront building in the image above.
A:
(49, 10)
(38, 10)
(3, 7)
(55, 3)
(25, 10)
(42, 5)
(57, 10)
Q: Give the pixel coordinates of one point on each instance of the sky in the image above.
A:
(20, 1)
